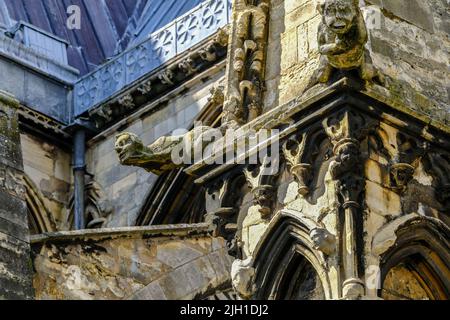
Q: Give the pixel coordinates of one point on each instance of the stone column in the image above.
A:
(15, 261)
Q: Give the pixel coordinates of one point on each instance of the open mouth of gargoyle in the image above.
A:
(339, 26)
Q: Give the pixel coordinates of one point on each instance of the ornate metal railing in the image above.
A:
(161, 46)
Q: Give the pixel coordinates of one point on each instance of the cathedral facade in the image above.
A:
(225, 149)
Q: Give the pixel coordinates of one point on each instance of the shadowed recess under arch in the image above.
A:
(421, 259)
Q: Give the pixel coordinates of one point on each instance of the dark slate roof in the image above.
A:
(103, 25)
(107, 26)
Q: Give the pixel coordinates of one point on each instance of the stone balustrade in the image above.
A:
(161, 46)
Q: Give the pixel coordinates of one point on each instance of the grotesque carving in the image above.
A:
(342, 37)
(217, 95)
(323, 240)
(209, 53)
(156, 158)
(261, 180)
(187, 66)
(242, 277)
(347, 158)
(166, 153)
(401, 175)
(300, 170)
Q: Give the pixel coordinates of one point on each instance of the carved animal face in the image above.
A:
(323, 240)
(339, 15)
(128, 146)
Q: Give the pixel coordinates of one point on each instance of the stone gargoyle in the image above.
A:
(342, 37)
(165, 154)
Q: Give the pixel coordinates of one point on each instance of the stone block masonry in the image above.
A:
(15, 262)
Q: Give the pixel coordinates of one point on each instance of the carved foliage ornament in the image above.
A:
(244, 99)
(295, 157)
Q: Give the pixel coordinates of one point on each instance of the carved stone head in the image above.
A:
(402, 174)
(339, 15)
(128, 147)
(323, 240)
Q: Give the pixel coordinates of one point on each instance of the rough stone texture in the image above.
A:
(154, 263)
(126, 187)
(15, 272)
(49, 168)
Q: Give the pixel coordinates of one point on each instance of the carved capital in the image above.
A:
(347, 158)
(187, 66)
(350, 188)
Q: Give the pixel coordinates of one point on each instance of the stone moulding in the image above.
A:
(344, 91)
(160, 47)
(126, 232)
(42, 121)
(245, 83)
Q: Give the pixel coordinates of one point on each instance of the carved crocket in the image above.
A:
(342, 37)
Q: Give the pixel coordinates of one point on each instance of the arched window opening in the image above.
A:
(417, 267)
(301, 282)
(414, 279)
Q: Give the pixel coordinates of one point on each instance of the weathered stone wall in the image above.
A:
(49, 169)
(15, 271)
(153, 263)
(409, 43)
(126, 187)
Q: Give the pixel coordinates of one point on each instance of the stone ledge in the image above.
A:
(30, 58)
(181, 230)
(309, 105)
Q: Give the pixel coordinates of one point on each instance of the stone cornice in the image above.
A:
(42, 120)
(181, 230)
(322, 100)
(166, 78)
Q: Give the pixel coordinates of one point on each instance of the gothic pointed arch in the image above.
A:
(97, 207)
(287, 266)
(39, 218)
(417, 265)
